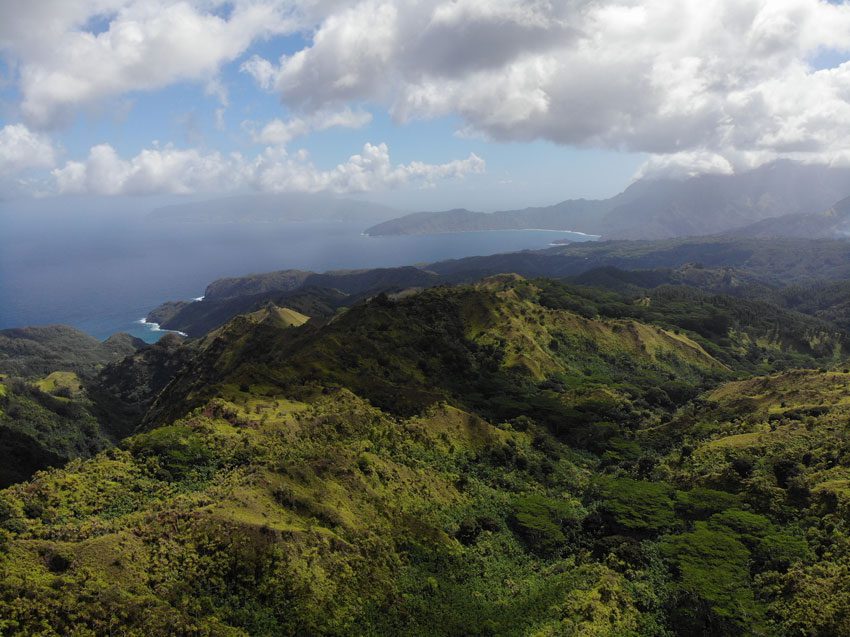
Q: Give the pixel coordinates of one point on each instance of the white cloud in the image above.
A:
(22, 149)
(157, 170)
(685, 78)
(699, 86)
(170, 170)
(147, 44)
(261, 70)
(685, 164)
(370, 170)
(353, 55)
(217, 89)
(279, 132)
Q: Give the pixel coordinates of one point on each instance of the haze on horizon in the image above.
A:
(427, 104)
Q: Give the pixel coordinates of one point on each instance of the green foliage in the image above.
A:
(713, 574)
(178, 450)
(701, 503)
(749, 527)
(545, 524)
(40, 430)
(750, 334)
(486, 348)
(638, 506)
(773, 549)
(509, 458)
(34, 352)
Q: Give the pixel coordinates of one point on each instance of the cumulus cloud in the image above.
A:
(261, 70)
(165, 170)
(678, 78)
(22, 149)
(171, 170)
(685, 164)
(279, 132)
(65, 62)
(370, 170)
(700, 86)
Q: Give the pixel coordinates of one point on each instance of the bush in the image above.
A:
(743, 466)
(544, 524)
(701, 503)
(714, 580)
(772, 548)
(747, 526)
(638, 506)
(63, 392)
(180, 451)
(778, 551)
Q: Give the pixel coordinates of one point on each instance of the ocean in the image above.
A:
(103, 274)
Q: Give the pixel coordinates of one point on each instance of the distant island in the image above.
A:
(670, 208)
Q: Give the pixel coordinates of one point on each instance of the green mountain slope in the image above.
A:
(512, 457)
(45, 424)
(199, 317)
(491, 347)
(36, 351)
(752, 268)
(47, 416)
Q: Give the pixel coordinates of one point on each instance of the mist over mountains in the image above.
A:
(780, 199)
(667, 208)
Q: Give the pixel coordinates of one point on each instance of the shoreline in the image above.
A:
(154, 327)
(590, 237)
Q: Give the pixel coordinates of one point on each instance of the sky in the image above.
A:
(420, 104)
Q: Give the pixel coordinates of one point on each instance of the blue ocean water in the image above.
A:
(102, 274)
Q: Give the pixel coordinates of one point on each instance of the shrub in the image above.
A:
(778, 551)
(772, 548)
(638, 506)
(543, 523)
(178, 449)
(714, 579)
(701, 503)
(743, 466)
(63, 392)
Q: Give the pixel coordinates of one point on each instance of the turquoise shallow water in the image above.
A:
(103, 275)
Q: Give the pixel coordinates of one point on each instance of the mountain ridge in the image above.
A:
(755, 261)
(507, 457)
(659, 208)
(833, 222)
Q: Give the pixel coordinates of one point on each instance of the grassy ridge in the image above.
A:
(507, 458)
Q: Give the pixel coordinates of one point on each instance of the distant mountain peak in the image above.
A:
(659, 208)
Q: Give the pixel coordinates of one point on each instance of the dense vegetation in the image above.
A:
(512, 457)
(46, 414)
(31, 351)
(744, 268)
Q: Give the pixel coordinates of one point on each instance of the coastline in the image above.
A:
(590, 237)
(154, 327)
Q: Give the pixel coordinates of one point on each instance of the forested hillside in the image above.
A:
(742, 267)
(512, 457)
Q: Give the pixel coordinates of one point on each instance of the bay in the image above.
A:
(103, 274)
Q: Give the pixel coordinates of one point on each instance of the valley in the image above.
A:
(445, 318)
(449, 450)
